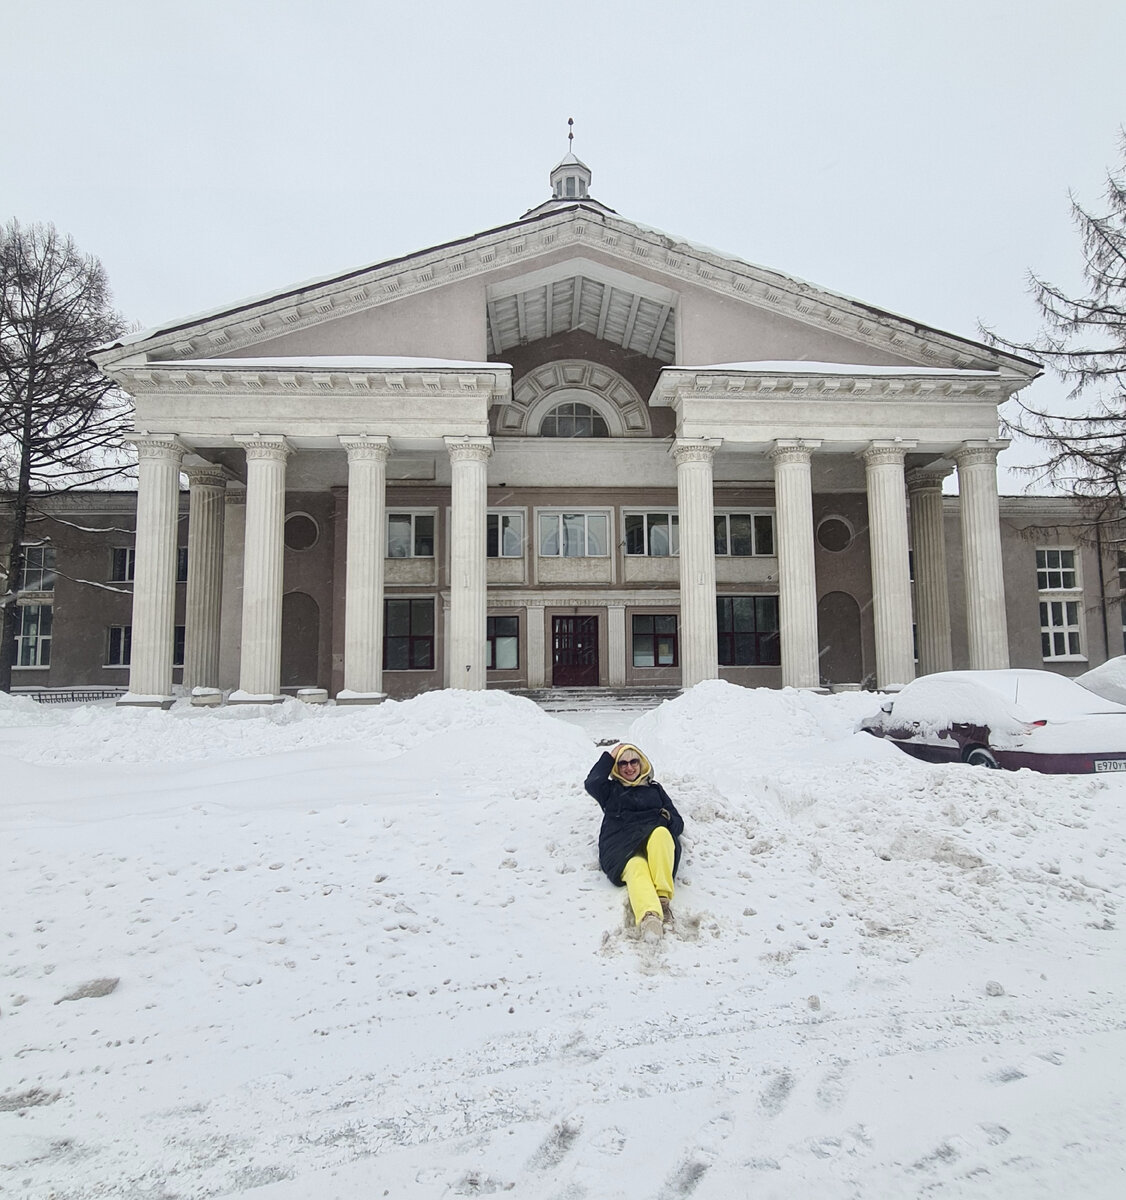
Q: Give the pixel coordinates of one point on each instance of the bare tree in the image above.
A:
(61, 420)
(1083, 339)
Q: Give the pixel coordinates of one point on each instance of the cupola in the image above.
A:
(570, 181)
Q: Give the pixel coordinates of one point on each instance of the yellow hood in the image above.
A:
(642, 775)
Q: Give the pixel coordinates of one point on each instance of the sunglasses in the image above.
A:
(629, 762)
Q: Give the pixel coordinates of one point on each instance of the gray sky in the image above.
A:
(916, 156)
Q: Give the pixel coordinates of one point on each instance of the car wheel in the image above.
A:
(979, 756)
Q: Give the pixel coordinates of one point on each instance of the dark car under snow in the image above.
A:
(1010, 719)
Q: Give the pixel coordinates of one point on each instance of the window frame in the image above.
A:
(124, 647)
(499, 515)
(672, 516)
(655, 635)
(728, 639)
(591, 414)
(39, 642)
(493, 640)
(128, 564)
(412, 639)
(413, 514)
(754, 515)
(560, 515)
(1059, 595)
(43, 551)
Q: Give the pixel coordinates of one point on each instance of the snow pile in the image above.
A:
(1108, 680)
(336, 952)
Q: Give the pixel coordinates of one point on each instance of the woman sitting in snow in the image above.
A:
(639, 843)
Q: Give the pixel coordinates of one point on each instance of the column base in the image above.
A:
(241, 697)
(136, 700)
(347, 697)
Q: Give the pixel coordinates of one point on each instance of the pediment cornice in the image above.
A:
(524, 242)
(208, 379)
(678, 385)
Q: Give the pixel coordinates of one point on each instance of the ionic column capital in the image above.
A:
(466, 449)
(165, 446)
(265, 446)
(367, 448)
(205, 474)
(693, 450)
(793, 450)
(926, 479)
(886, 454)
(979, 454)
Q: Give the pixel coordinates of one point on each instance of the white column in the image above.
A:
(891, 571)
(797, 575)
(537, 672)
(207, 484)
(986, 622)
(363, 594)
(230, 615)
(260, 667)
(465, 646)
(928, 541)
(699, 642)
(154, 575)
(616, 644)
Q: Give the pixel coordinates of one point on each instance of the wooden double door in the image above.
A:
(574, 651)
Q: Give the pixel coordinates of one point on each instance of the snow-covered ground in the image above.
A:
(314, 953)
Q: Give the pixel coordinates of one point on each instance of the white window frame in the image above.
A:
(124, 646)
(129, 562)
(560, 514)
(413, 514)
(38, 642)
(752, 513)
(673, 527)
(1059, 591)
(42, 551)
(503, 514)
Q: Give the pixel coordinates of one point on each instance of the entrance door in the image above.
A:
(838, 627)
(574, 651)
(301, 625)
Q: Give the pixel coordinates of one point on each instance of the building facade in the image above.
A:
(573, 451)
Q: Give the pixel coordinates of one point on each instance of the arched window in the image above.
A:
(574, 420)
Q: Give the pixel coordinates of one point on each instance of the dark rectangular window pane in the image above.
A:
(741, 542)
(764, 534)
(720, 525)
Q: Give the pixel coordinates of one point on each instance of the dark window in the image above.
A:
(654, 640)
(748, 631)
(656, 535)
(181, 564)
(410, 535)
(408, 635)
(178, 645)
(834, 534)
(301, 532)
(574, 420)
(503, 634)
(124, 564)
(33, 634)
(38, 574)
(119, 649)
(741, 535)
(504, 535)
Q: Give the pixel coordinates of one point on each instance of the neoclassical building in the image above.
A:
(566, 451)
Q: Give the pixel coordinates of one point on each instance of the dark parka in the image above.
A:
(630, 814)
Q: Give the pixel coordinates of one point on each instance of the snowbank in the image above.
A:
(305, 950)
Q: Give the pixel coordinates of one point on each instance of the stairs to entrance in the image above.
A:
(579, 698)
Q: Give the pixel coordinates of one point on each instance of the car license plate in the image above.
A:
(1110, 764)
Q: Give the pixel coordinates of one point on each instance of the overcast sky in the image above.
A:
(916, 156)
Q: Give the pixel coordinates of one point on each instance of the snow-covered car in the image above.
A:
(1010, 719)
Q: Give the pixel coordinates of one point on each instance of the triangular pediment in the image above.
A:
(574, 267)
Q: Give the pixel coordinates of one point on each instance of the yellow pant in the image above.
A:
(648, 876)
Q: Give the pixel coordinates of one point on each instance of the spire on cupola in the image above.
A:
(570, 182)
(570, 178)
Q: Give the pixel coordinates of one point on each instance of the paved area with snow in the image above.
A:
(317, 953)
